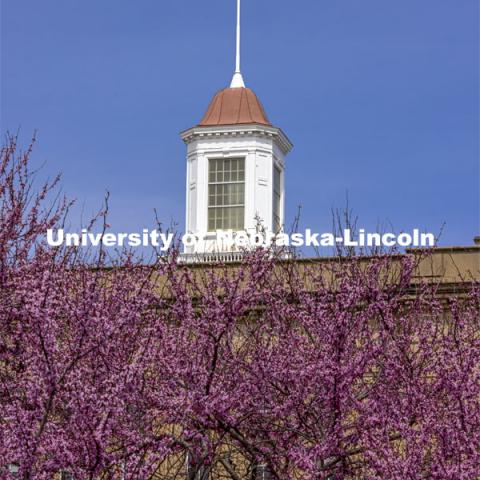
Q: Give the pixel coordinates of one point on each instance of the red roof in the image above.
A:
(234, 106)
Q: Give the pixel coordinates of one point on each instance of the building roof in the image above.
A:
(234, 106)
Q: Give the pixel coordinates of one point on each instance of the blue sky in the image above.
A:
(380, 98)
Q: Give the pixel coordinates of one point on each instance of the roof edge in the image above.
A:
(240, 129)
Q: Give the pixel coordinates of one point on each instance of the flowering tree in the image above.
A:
(345, 369)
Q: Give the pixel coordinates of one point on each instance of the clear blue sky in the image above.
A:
(380, 98)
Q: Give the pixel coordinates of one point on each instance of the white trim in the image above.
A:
(233, 130)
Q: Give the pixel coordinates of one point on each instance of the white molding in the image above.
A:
(230, 131)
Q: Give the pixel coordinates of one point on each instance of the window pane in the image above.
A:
(226, 194)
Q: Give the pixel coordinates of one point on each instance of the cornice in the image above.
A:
(235, 131)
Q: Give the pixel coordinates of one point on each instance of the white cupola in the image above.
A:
(235, 167)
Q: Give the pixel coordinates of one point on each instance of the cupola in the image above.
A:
(235, 169)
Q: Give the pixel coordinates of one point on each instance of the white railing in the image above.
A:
(223, 257)
(212, 257)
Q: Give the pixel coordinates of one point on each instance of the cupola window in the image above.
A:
(226, 194)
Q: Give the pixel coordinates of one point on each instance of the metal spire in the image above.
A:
(237, 80)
